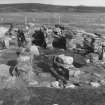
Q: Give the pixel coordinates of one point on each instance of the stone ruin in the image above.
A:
(92, 74)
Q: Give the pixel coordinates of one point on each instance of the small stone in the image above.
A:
(87, 60)
(55, 84)
(45, 84)
(70, 85)
(95, 84)
(33, 83)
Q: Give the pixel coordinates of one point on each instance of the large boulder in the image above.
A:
(76, 42)
(79, 60)
(34, 50)
(26, 72)
(3, 31)
(63, 61)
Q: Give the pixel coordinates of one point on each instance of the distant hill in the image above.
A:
(36, 7)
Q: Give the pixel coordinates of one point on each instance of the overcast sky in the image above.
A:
(59, 2)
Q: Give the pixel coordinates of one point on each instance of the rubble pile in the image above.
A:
(91, 47)
(79, 77)
(83, 66)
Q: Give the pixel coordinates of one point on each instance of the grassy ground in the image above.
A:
(45, 96)
(92, 22)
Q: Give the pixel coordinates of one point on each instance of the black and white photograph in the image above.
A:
(52, 52)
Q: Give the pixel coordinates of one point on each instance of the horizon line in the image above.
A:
(53, 4)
